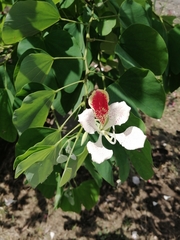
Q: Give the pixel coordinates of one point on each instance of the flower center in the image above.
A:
(98, 101)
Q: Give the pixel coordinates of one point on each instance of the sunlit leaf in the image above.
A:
(70, 201)
(34, 110)
(30, 137)
(146, 47)
(132, 12)
(34, 68)
(37, 155)
(88, 192)
(76, 31)
(105, 24)
(66, 4)
(72, 167)
(105, 171)
(26, 18)
(38, 161)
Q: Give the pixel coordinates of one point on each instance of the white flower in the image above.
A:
(102, 118)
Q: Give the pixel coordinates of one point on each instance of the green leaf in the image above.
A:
(108, 46)
(34, 110)
(142, 161)
(90, 167)
(70, 201)
(7, 130)
(85, 88)
(169, 19)
(27, 18)
(126, 60)
(6, 82)
(66, 177)
(132, 12)
(142, 2)
(105, 171)
(121, 158)
(30, 88)
(60, 43)
(134, 121)
(51, 139)
(76, 31)
(38, 161)
(56, 1)
(38, 172)
(88, 192)
(72, 167)
(146, 47)
(21, 58)
(106, 24)
(171, 82)
(66, 4)
(58, 193)
(30, 137)
(160, 26)
(116, 3)
(62, 104)
(141, 86)
(36, 155)
(116, 95)
(34, 68)
(32, 42)
(124, 168)
(48, 187)
(143, 89)
(174, 49)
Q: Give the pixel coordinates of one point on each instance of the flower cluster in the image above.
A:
(102, 118)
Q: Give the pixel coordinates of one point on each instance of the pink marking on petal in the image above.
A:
(98, 101)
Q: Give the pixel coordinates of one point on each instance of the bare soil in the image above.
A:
(150, 210)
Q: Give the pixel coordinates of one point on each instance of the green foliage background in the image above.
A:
(53, 54)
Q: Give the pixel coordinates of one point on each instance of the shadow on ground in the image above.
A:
(151, 209)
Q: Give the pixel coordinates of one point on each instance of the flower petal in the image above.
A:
(118, 114)
(87, 120)
(132, 138)
(98, 152)
(98, 101)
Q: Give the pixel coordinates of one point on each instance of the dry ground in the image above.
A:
(150, 210)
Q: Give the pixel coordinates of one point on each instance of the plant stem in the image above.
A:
(68, 58)
(71, 21)
(67, 119)
(71, 84)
